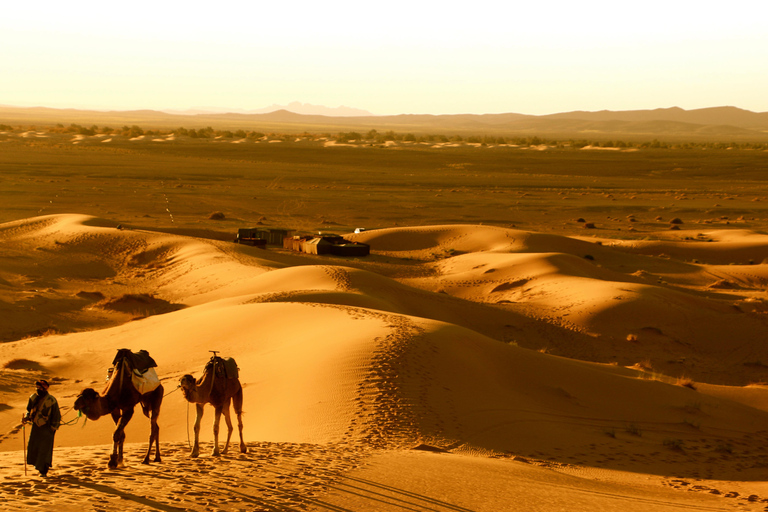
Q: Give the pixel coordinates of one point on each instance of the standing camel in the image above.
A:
(219, 386)
(119, 399)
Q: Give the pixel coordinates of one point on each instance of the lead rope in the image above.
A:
(189, 444)
(24, 441)
(74, 420)
(213, 375)
(213, 371)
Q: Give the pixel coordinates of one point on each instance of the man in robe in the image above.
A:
(44, 415)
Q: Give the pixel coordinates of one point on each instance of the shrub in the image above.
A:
(674, 444)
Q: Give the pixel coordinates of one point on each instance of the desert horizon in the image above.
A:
(540, 324)
(674, 125)
(451, 259)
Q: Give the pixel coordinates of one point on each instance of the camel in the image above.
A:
(217, 388)
(119, 399)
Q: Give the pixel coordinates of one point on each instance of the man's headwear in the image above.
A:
(42, 383)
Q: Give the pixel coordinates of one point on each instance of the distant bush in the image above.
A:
(686, 383)
(132, 131)
(348, 136)
(373, 135)
(674, 444)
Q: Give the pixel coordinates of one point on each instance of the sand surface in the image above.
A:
(456, 368)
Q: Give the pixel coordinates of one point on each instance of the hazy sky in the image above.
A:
(386, 57)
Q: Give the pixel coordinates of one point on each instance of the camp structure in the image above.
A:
(250, 236)
(326, 244)
(260, 237)
(318, 245)
(296, 242)
(347, 248)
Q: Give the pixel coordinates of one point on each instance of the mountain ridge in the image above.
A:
(709, 123)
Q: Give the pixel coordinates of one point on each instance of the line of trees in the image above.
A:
(127, 131)
(375, 137)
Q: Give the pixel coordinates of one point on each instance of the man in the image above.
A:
(43, 412)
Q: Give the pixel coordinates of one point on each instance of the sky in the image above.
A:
(391, 57)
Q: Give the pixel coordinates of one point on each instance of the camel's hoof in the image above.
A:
(145, 461)
(157, 459)
(243, 449)
(216, 454)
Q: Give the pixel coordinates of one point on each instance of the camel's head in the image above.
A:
(188, 385)
(85, 400)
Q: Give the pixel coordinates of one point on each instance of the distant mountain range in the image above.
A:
(717, 123)
(296, 107)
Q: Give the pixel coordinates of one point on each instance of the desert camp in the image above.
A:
(402, 257)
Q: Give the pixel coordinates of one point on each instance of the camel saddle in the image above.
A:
(140, 360)
(142, 366)
(224, 367)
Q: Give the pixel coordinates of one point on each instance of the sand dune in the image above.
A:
(482, 358)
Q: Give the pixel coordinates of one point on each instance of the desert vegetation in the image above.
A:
(320, 181)
(526, 303)
(375, 137)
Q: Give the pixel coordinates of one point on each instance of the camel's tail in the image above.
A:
(237, 401)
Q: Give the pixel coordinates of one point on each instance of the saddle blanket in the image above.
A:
(145, 382)
(231, 369)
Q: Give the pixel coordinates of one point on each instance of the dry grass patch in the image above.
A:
(643, 366)
(23, 364)
(686, 383)
(141, 304)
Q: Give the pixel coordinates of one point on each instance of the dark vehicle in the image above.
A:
(249, 236)
(260, 237)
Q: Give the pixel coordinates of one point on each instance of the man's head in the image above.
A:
(42, 386)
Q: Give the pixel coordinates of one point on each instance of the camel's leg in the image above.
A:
(155, 416)
(216, 421)
(113, 457)
(198, 419)
(154, 437)
(237, 402)
(118, 438)
(228, 420)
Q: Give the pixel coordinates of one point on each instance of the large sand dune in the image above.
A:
(457, 368)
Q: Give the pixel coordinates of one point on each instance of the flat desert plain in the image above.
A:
(535, 329)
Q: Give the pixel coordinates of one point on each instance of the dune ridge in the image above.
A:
(492, 352)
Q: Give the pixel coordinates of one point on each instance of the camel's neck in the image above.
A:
(202, 390)
(100, 407)
(117, 386)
